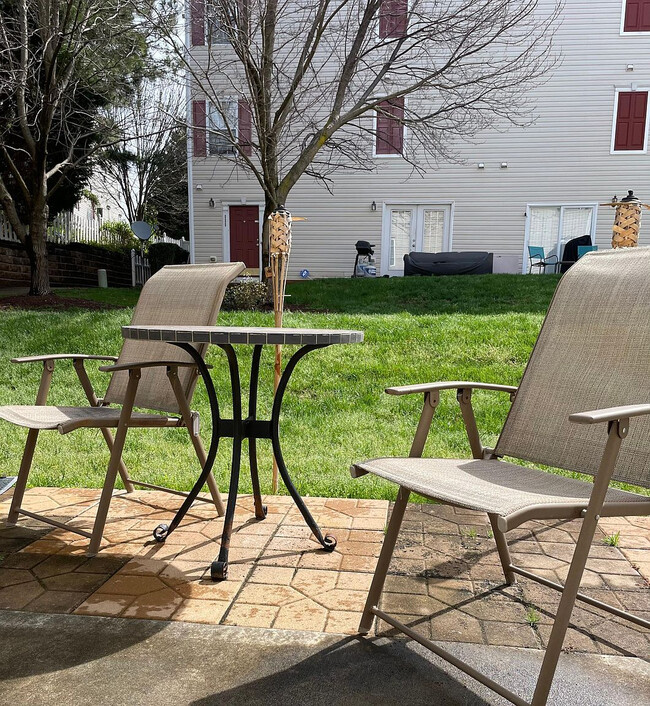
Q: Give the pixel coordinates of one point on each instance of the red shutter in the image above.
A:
(197, 15)
(198, 132)
(390, 129)
(245, 127)
(393, 18)
(631, 115)
(637, 16)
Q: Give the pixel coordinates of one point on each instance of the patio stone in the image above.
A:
(280, 577)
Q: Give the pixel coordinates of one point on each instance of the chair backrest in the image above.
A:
(593, 352)
(188, 295)
(584, 249)
(535, 252)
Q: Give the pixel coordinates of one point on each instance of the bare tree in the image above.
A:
(60, 61)
(316, 74)
(142, 163)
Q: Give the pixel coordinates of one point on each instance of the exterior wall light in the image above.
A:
(211, 203)
(504, 165)
(373, 206)
(481, 165)
(629, 67)
(199, 187)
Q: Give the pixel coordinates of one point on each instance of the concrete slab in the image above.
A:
(46, 659)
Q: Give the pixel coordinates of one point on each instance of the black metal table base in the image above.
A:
(239, 428)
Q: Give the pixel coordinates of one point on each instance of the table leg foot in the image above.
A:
(261, 515)
(161, 532)
(219, 570)
(329, 543)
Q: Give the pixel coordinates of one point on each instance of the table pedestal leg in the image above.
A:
(163, 530)
(328, 542)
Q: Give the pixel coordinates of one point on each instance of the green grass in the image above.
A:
(612, 540)
(417, 329)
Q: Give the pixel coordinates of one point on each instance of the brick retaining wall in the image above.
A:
(71, 265)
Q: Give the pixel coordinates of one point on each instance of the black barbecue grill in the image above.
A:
(364, 257)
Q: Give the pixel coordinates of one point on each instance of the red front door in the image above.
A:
(244, 235)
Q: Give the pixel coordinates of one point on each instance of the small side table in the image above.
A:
(239, 427)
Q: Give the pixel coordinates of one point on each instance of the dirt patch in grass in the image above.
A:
(51, 301)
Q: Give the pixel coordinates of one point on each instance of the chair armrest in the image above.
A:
(61, 356)
(453, 385)
(610, 414)
(148, 364)
(550, 257)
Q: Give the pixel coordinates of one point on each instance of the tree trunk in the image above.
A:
(36, 247)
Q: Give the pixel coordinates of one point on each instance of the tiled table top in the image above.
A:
(279, 577)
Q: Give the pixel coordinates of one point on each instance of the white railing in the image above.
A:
(140, 269)
(69, 228)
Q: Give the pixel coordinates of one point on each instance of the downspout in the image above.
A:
(188, 110)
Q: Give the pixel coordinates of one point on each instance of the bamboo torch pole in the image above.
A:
(279, 248)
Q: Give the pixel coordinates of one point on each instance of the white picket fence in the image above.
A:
(67, 227)
(140, 269)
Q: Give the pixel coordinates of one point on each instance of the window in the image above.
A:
(389, 136)
(636, 16)
(223, 127)
(630, 121)
(393, 18)
(216, 34)
(551, 227)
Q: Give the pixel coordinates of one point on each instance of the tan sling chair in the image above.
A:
(582, 405)
(153, 376)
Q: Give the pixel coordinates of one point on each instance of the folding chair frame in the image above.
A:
(618, 427)
(115, 444)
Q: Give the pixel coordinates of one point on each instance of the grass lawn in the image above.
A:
(416, 330)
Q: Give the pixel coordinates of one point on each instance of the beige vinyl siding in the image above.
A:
(564, 157)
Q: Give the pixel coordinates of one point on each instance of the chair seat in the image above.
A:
(67, 419)
(490, 486)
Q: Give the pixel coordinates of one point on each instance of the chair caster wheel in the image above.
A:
(161, 532)
(219, 570)
(264, 513)
(329, 543)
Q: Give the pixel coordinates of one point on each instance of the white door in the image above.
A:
(413, 227)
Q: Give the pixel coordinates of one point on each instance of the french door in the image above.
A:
(413, 227)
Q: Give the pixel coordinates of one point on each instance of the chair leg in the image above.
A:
(23, 475)
(504, 551)
(124, 474)
(384, 560)
(212, 483)
(114, 462)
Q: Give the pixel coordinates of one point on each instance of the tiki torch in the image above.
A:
(627, 221)
(279, 248)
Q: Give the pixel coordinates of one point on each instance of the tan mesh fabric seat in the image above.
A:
(66, 419)
(583, 405)
(150, 375)
(487, 485)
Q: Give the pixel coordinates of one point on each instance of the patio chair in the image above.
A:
(592, 417)
(584, 249)
(537, 258)
(149, 375)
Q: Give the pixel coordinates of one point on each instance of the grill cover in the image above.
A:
(447, 263)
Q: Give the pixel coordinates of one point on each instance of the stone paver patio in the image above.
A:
(279, 577)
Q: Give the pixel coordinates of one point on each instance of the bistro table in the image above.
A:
(239, 428)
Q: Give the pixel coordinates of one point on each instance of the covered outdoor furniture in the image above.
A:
(147, 374)
(570, 252)
(427, 264)
(583, 405)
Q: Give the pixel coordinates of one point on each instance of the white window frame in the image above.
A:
(375, 155)
(561, 206)
(387, 206)
(209, 129)
(225, 230)
(623, 33)
(638, 89)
